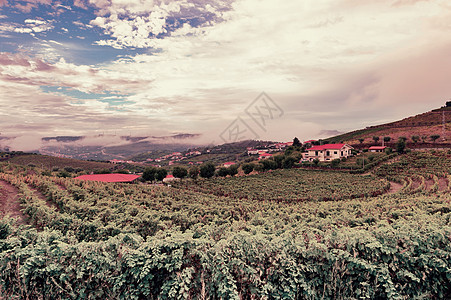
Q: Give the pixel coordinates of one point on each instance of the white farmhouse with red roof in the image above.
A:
(328, 152)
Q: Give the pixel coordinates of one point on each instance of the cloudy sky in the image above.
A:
(155, 67)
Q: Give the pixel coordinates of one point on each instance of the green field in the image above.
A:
(286, 234)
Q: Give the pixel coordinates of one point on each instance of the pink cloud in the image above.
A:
(13, 59)
(3, 2)
(80, 3)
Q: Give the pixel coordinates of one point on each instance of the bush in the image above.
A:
(179, 172)
(207, 170)
(247, 168)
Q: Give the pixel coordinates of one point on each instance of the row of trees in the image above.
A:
(414, 138)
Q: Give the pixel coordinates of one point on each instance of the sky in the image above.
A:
(225, 70)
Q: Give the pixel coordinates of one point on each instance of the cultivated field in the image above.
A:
(286, 234)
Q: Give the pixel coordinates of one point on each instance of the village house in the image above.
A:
(327, 152)
(228, 164)
(377, 148)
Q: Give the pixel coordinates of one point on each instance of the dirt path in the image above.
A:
(394, 187)
(41, 196)
(10, 203)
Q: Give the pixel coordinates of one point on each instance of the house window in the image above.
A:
(327, 153)
(335, 152)
(316, 153)
(342, 153)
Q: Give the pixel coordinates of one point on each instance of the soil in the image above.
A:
(443, 184)
(394, 187)
(10, 203)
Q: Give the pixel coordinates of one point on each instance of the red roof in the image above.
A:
(377, 147)
(109, 177)
(265, 154)
(169, 176)
(230, 163)
(327, 147)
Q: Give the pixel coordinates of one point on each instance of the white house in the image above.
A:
(327, 152)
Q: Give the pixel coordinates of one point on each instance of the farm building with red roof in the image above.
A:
(109, 177)
(327, 152)
(377, 148)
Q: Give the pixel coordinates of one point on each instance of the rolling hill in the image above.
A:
(435, 122)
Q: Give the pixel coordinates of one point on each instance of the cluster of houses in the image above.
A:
(267, 151)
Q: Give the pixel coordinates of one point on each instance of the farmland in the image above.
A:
(286, 234)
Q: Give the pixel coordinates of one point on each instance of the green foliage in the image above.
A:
(160, 174)
(401, 146)
(179, 172)
(149, 174)
(193, 172)
(207, 170)
(262, 236)
(434, 137)
(387, 139)
(247, 168)
(222, 172)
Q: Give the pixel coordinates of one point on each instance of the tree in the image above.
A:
(268, 164)
(179, 172)
(288, 162)
(296, 142)
(247, 168)
(415, 138)
(387, 139)
(278, 160)
(401, 146)
(375, 139)
(207, 170)
(361, 140)
(233, 170)
(434, 137)
(149, 174)
(161, 174)
(222, 172)
(403, 138)
(316, 161)
(193, 172)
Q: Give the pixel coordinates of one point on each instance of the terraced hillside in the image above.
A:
(120, 241)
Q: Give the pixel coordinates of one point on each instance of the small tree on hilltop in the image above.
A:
(376, 139)
(415, 138)
(207, 170)
(361, 140)
(296, 142)
(179, 172)
(434, 137)
(387, 139)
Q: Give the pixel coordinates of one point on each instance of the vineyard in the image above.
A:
(286, 234)
(291, 185)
